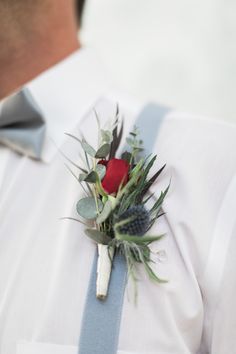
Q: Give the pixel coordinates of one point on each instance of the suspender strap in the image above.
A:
(101, 319)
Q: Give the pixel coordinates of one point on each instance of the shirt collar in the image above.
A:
(65, 93)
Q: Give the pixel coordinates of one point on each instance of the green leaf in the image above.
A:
(100, 189)
(130, 141)
(101, 170)
(98, 236)
(149, 184)
(152, 275)
(91, 177)
(103, 151)
(134, 176)
(147, 169)
(105, 212)
(139, 239)
(113, 201)
(82, 176)
(157, 206)
(140, 252)
(87, 208)
(106, 136)
(88, 148)
(117, 136)
(77, 220)
(134, 134)
(136, 196)
(126, 156)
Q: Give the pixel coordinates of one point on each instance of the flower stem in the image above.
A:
(104, 266)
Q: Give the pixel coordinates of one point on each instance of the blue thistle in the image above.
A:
(139, 221)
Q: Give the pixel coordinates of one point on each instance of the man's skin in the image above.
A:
(34, 35)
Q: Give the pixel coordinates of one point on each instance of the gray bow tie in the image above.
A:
(22, 127)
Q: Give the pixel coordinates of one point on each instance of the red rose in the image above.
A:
(117, 172)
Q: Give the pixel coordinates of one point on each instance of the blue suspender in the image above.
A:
(101, 319)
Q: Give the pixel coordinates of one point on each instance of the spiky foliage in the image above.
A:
(120, 220)
(139, 221)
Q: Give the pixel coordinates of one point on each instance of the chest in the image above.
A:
(47, 261)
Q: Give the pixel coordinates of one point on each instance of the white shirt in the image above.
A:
(45, 262)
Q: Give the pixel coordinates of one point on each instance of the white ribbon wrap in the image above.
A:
(104, 267)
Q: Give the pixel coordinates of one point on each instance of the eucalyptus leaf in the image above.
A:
(82, 176)
(130, 141)
(88, 148)
(91, 177)
(98, 236)
(103, 151)
(101, 171)
(137, 148)
(106, 136)
(86, 207)
(105, 212)
(134, 134)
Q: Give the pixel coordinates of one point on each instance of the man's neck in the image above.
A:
(28, 56)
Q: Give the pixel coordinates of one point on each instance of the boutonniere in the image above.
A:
(114, 206)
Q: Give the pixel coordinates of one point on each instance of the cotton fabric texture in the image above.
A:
(45, 262)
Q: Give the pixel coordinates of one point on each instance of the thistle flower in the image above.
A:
(139, 222)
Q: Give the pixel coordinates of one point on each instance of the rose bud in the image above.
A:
(117, 173)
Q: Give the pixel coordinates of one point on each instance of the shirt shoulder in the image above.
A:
(200, 154)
